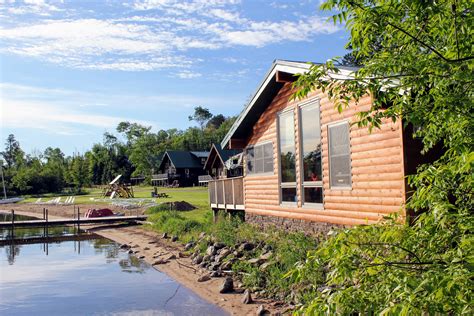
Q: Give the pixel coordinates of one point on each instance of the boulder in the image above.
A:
(124, 246)
(223, 253)
(174, 238)
(160, 261)
(227, 265)
(206, 258)
(130, 251)
(188, 246)
(261, 311)
(266, 256)
(255, 261)
(216, 274)
(211, 251)
(227, 286)
(146, 248)
(219, 245)
(197, 259)
(246, 246)
(171, 257)
(204, 278)
(247, 298)
(164, 236)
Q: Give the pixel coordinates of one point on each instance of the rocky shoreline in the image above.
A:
(209, 275)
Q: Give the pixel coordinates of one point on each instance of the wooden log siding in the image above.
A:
(377, 168)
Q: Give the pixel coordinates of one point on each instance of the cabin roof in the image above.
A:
(184, 159)
(265, 93)
(223, 154)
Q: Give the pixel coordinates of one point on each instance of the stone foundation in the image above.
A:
(290, 224)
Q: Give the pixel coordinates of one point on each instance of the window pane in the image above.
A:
(258, 152)
(313, 195)
(268, 150)
(339, 156)
(311, 142)
(259, 165)
(288, 194)
(287, 147)
(268, 165)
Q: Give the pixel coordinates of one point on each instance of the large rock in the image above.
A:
(246, 246)
(227, 265)
(174, 238)
(219, 245)
(211, 251)
(247, 298)
(188, 246)
(206, 258)
(204, 278)
(124, 246)
(222, 254)
(266, 256)
(261, 311)
(197, 259)
(160, 261)
(227, 286)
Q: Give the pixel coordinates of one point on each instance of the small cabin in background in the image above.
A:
(306, 166)
(224, 163)
(225, 167)
(180, 168)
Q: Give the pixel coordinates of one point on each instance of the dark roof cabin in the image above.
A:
(181, 168)
(306, 166)
(223, 163)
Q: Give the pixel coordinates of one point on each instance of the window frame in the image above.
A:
(257, 174)
(286, 185)
(305, 184)
(333, 124)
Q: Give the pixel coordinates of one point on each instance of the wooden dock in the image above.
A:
(46, 239)
(72, 221)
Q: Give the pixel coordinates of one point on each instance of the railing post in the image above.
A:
(223, 194)
(233, 193)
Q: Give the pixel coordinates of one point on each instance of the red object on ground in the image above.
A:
(98, 213)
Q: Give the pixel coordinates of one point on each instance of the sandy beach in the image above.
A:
(149, 246)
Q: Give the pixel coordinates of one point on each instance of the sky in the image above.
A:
(72, 70)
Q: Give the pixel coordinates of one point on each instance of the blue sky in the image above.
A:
(71, 70)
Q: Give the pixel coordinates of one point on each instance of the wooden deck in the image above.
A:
(73, 221)
(227, 194)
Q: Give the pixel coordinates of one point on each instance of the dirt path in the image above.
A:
(149, 245)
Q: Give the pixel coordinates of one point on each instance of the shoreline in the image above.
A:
(148, 246)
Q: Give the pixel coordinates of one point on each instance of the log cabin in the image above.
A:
(306, 167)
(180, 168)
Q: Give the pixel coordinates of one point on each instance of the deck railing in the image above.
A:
(227, 194)
(204, 178)
(159, 176)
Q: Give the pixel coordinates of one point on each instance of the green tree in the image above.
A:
(421, 73)
(201, 116)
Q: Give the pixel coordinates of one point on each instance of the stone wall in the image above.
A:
(290, 224)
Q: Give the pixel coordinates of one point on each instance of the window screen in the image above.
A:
(339, 155)
(260, 159)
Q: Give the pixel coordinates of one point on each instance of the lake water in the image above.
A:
(90, 277)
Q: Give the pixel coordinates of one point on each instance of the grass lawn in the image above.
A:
(197, 196)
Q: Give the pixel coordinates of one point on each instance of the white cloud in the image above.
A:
(186, 74)
(149, 40)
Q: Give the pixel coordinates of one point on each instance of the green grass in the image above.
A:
(197, 196)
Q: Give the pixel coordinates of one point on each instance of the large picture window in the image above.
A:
(286, 133)
(339, 155)
(260, 159)
(312, 185)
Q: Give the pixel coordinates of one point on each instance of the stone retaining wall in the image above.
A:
(290, 224)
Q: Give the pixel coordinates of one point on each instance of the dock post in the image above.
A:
(78, 220)
(46, 227)
(13, 225)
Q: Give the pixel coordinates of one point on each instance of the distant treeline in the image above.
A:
(134, 151)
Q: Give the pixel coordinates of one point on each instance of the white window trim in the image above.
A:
(288, 185)
(307, 184)
(341, 122)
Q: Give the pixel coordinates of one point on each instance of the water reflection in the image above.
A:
(89, 277)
